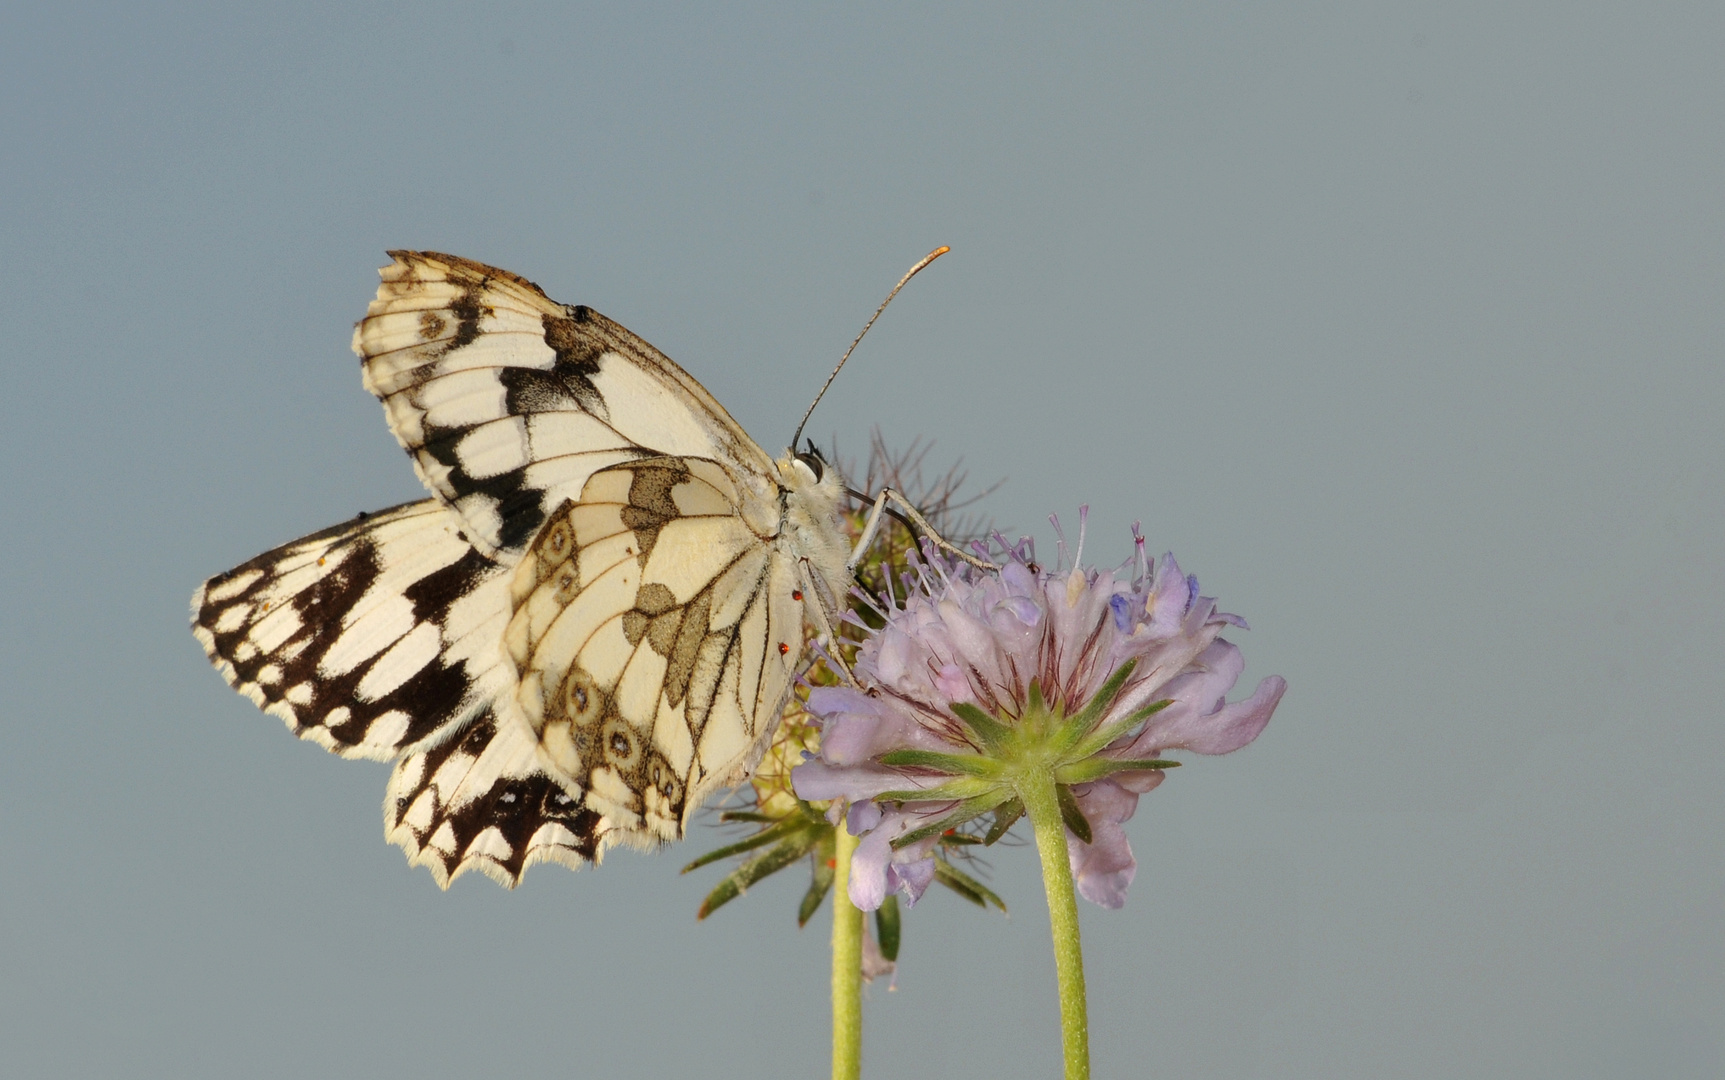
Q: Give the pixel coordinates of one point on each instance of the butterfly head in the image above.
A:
(808, 479)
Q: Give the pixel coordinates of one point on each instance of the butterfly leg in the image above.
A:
(823, 621)
(866, 537)
(909, 509)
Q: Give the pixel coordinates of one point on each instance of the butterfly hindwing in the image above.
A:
(507, 401)
(651, 640)
(483, 801)
(366, 638)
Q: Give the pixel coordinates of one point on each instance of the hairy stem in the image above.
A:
(1042, 804)
(847, 964)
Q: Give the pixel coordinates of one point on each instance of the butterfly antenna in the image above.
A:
(912, 272)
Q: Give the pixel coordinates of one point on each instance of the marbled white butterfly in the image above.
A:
(591, 626)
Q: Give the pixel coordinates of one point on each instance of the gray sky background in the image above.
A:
(1399, 324)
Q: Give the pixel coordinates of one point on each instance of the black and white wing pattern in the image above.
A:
(366, 638)
(591, 626)
(483, 801)
(508, 401)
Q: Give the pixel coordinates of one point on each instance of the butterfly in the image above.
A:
(593, 623)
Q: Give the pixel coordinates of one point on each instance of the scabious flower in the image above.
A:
(980, 679)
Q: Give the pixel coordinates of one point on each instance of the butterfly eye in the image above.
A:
(812, 459)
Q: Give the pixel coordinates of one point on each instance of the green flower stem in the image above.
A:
(1036, 787)
(847, 964)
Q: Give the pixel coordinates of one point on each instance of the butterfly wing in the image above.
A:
(655, 628)
(508, 401)
(483, 801)
(382, 638)
(367, 637)
(591, 627)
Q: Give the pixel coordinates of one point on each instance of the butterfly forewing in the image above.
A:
(508, 401)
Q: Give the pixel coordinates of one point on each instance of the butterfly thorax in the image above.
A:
(813, 528)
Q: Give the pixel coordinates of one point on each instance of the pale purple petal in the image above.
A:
(1103, 868)
(826, 700)
(892, 655)
(973, 638)
(868, 870)
(1200, 611)
(856, 727)
(912, 877)
(1105, 800)
(1018, 580)
(1160, 662)
(1203, 681)
(815, 781)
(1077, 604)
(862, 817)
(1200, 720)
(1065, 597)
(1121, 605)
(851, 725)
(1166, 604)
(877, 870)
(1238, 723)
(953, 685)
(1024, 609)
